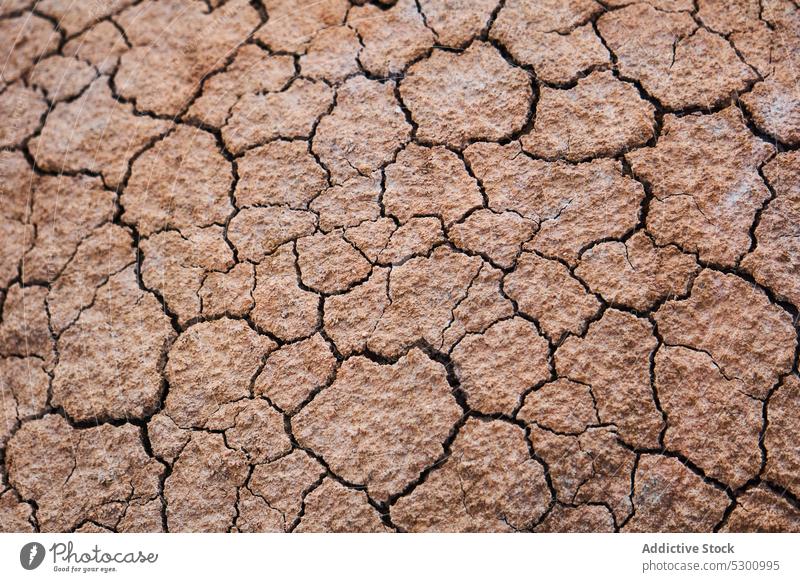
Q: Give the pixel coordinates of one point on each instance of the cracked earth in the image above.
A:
(432, 265)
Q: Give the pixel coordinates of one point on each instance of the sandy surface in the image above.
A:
(434, 265)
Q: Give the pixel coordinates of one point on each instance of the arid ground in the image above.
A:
(433, 265)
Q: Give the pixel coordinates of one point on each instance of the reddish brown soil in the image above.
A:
(434, 265)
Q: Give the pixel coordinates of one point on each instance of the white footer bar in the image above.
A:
(370, 557)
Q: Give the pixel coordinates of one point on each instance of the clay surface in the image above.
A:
(399, 266)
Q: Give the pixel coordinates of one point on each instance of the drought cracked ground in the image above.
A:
(444, 265)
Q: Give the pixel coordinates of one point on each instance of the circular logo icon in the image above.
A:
(31, 555)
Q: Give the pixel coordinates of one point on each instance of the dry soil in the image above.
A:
(432, 265)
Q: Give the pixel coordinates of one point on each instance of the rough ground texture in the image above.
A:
(397, 265)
